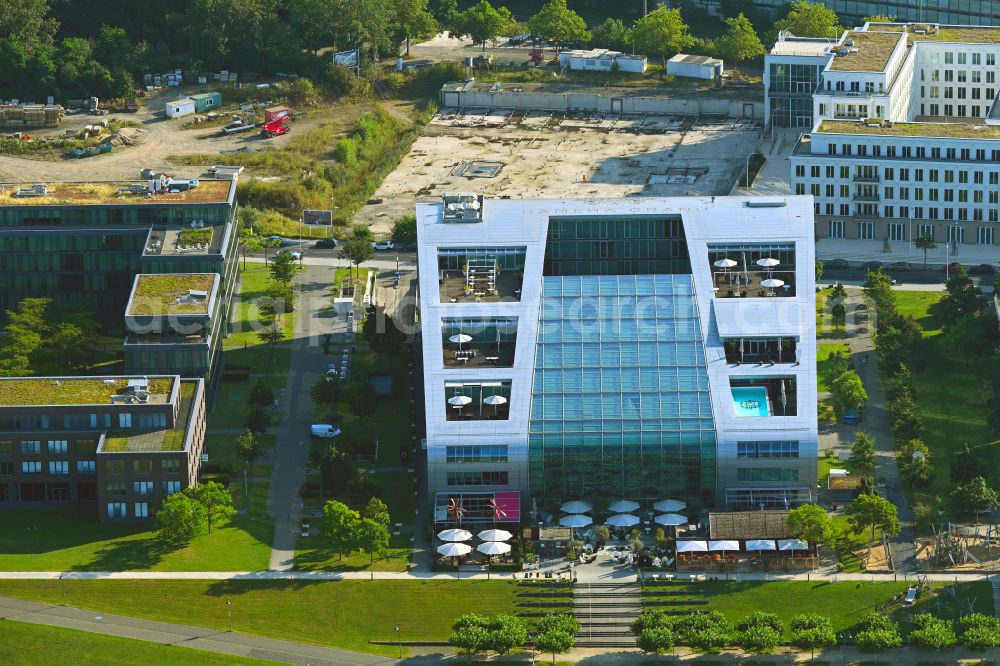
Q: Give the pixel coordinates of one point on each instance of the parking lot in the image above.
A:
(544, 154)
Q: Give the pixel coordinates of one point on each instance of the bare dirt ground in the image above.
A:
(546, 155)
(157, 138)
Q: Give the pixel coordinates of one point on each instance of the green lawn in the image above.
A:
(311, 555)
(918, 304)
(825, 327)
(843, 603)
(74, 540)
(344, 614)
(823, 365)
(231, 406)
(253, 286)
(36, 645)
(221, 450)
(824, 463)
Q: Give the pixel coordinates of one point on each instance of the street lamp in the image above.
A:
(229, 612)
(399, 641)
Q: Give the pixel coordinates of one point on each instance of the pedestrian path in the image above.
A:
(605, 612)
(182, 635)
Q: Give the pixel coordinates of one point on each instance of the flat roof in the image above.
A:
(110, 193)
(167, 439)
(966, 130)
(695, 59)
(170, 293)
(803, 46)
(38, 391)
(869, 53)
(958, 34)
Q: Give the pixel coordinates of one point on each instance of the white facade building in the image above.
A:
(695, 66)
(635, 348)
(179, 107)
(602, 60)
(904, 139)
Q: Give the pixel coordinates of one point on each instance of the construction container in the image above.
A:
(206, 101)
(179, 107)
(275, 113)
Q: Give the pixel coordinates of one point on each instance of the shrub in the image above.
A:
(980, 632)
(932, 633)
(705, 631)
(877, 631)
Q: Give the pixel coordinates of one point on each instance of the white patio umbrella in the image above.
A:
(670, 505)
(792, 544)
(576, 506)
(460, 400)
(772, 283)
(768, 262)
(623, 520)
(692, 547)
(670, 519)
(724, 545)
(623, 506)
(454, 549)
(724, 263)
(494, 535)
(493, 548)
(575, 520)
(460, 339)
(496, 401)
(455, 535)
(759, 544)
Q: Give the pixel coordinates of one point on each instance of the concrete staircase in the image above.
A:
(605, 611)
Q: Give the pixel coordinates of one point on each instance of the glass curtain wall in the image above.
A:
(634, 245)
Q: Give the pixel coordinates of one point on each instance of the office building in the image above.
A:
(961, 12)
(85, 243)
(638, 348)
(121, 443)
(905, 136)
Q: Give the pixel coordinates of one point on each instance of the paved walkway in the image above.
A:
(182, 635)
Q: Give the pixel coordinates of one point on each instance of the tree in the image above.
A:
(980, 632)
(915, 462)
(602, 533)
(820, 268)
(412, 18)
(179, 520)
(340, 527)
(377, 511)
(740, 41)
(611, 34)
(506, 632)
(281, 298)
(976, 497)
(662, 32)
(404, 230)
(877, 631)
(878, 289)
(258, 420)
(216, 499)
(879, 18)
(963, 338)
(811, 631)
(932, 633)
(869, 510)
(839, 314)
(373, 537)
(656, 639)
(811, 523)
(482, 22)
(555, 642)
(848, 392)
(963, 298)
(381, 333)
(862, 458)
(810, 19)
(271, 335)
(470, 634)
(759, 632)
(558, 24)
(283, 267)
(22, 336)
(27, 22)
(357, 250)
(261, 395)
(248, 448)
(338, 470)
(925, 242)
(704, 630)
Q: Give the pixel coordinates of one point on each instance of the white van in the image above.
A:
(324, 430)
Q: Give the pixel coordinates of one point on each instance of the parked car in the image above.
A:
(280, 240)
(983, 269)
(951, 268)
(851, 417)
(900, 266)
(383, 245)
(296, 255)
(870, 266)
(324, 431)
(836, 265)
(325, 243)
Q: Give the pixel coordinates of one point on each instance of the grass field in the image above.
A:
(249, 319)
(843, 603)
(919, 304)
(74, 540)
(311, 555)
(823, 365)
(344, 614)
(825, 327)
(20, 643)
(221, 450)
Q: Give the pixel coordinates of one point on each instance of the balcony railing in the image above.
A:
(861, 178)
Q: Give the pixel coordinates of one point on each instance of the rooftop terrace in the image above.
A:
(32, 391)
(170, 294)
(869, 53)
(171, 439)
(109, 193)
(964, 130)
(960, 34)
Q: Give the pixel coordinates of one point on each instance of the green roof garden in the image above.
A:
(112, 192)
(941, 130)
(170, 294)
(170, 439)
(37, 391)
(870, 52)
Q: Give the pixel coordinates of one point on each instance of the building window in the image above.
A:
(115, 489)
(925, 230)
(125, 420)
(31, 447)
(86, 466)
(767, 474)
(477, 478)
(31, 467)
(142, 466)
(984, 235)
(897, 231)
(170, 465)
(141, 510)
(476, 454)
(836, 228)
(116, 510)
(171, 487)
(57, 446)
(767, 449)
(6, 468)
(142, 487)
(58, 467)
(866, 231)
(115, 467)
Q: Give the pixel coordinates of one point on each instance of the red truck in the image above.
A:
(275, 128)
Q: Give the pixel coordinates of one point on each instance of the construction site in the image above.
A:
(535, 153)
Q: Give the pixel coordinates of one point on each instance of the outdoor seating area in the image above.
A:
(477, 401)
(494, 548)
(750, 554)
(479, 342)
(480, 275)
(752, 272)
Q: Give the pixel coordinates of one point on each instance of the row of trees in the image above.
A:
(502, 633)
(186, 514)
(762, 632)
(347, 530)
(37, 341)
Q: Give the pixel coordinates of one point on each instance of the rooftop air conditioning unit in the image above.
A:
(849, 42)
(843, 52)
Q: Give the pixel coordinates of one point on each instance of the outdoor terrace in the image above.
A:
(109, 193)
(170, 294)
(477, 400)
(183, 239)
(483, 342)
(952, 130)
(169, 439)
(39, 391)
(872, 55)
(456, 287)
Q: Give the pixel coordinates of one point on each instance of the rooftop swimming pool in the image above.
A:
(750, 401)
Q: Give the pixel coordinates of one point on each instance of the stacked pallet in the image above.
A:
(29, 116)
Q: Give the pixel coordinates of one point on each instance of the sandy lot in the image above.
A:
(550, 155)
